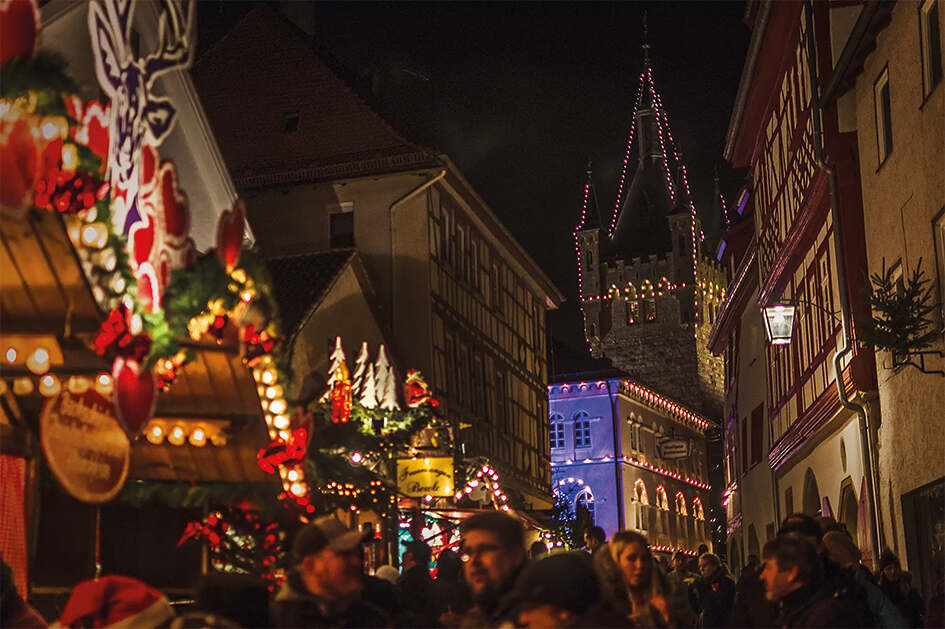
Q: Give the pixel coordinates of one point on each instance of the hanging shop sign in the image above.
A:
(85, 447)
(431, 476)
(673, 449)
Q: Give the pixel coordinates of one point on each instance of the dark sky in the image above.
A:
(523, 95)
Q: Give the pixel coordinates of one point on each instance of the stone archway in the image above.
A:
(811, 504)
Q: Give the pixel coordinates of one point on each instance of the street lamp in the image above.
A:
(779, 323)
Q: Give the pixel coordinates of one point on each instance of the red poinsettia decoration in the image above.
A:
(114, 338)
(282, 452)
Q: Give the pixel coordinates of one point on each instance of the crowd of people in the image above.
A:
(806, 577)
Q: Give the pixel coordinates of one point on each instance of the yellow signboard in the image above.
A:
(430, 476)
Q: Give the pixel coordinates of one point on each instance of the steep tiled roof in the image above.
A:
(261, 75)
(300, 282)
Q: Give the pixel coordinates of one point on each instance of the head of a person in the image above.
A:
(702, 549)
(709, 564)
(555, 591)
(493, 551)
(449, 567)
(537, 550)
(790, 563)
(416, 553)
(840, 548)
(594, 538)
(631, 553)
(327, 556)
(803, 525)
(889, 566)
(680, 560)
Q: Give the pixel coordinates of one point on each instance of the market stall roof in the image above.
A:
(216, 388)
(41, 282)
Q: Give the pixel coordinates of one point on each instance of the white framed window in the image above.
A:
(883, 112)
(556, 435)
(582, 431)
(930, 39)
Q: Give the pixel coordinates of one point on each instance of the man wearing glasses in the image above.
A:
(493, 554)
(325, 585)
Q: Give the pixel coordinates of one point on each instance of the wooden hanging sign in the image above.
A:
(85, 447)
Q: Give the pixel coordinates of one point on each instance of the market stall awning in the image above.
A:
(216, 391)
(42, 286)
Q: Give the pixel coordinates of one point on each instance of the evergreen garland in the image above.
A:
(41, 80)
(901, 321)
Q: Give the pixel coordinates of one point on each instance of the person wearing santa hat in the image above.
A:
(115, 602)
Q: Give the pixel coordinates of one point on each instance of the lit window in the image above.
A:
(931, 42)
(883, 112)
(556, 435)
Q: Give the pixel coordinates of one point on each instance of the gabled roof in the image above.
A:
(261, 81)
(300, 282)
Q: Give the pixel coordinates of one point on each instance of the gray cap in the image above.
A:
(325, 532)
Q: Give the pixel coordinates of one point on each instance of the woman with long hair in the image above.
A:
(646, 589)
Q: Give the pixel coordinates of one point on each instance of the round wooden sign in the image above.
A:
(85, 448)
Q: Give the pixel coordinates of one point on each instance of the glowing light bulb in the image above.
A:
(293, 475)
(38, 361)
(155, 434)
(297, 489)
(281, 422)
(49, 385)
(95, 235)
(198, 437)
(274, 392)
(356, 457)
(11, 355)
(268, 376)
(22, 386)
(104, 384)
(277, 406)
(177, 436)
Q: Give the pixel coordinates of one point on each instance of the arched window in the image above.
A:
(639, 492)
(811, 494)
(681, 504)
(556, 431)
(582, 430)
(661, 500)
(697, 511)
(585, 501)
(589, 257)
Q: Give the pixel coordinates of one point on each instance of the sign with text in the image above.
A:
(430, 476)
(673, 449)
(85, 447)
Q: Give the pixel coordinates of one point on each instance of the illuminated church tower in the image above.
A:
(648, 289)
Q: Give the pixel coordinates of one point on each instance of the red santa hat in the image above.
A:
(116, 602)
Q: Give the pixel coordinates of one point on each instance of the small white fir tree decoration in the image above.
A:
(368, 392)
(389, 401)
(381, 373)
(337, 359)
(359, 367)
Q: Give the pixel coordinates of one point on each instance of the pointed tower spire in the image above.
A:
(646, 42)
(591, 218)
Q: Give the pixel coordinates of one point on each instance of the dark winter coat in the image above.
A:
(418, 596)
(294, 606)
(715, 597)
(909, 603)
(811, 607)
(842, 585)
(751, 608)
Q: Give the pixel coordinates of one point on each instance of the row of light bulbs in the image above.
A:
(50, 385)
(178, 434)
(274, 405)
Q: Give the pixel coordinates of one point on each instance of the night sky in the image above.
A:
(522, 96)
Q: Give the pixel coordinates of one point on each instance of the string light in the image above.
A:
(695, 482)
